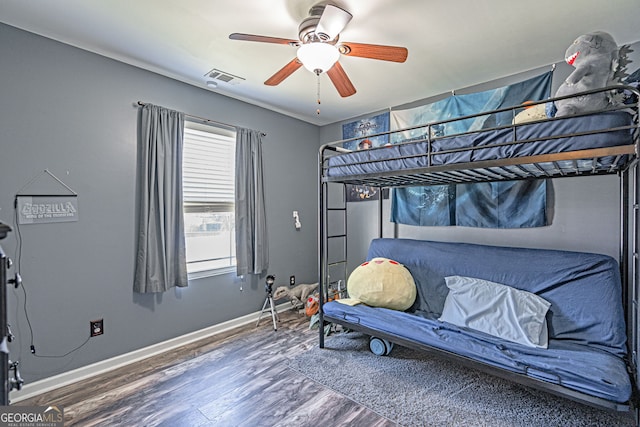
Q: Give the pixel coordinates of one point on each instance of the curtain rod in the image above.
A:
(203, 119)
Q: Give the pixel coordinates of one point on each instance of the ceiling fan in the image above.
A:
(319, 48)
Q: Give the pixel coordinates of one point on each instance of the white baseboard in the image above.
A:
(47, 384)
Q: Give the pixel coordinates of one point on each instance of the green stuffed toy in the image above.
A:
(596, 59)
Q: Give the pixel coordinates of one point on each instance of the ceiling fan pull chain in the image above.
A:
(318, 92)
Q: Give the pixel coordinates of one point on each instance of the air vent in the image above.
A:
(220, 76)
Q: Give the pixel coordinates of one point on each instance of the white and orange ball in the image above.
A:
(382, 282)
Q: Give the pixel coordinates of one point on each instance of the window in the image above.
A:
(208, 194)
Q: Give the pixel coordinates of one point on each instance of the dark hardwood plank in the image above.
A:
(239, 378)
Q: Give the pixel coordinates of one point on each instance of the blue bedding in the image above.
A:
(610, 129)
(587, 338)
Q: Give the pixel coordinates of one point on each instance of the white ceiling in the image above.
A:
(452, 44)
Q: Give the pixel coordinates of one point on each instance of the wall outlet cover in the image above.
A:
(97, 327)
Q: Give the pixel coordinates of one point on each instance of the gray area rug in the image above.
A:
(413, 388)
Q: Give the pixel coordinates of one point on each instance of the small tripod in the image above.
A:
(269, 300)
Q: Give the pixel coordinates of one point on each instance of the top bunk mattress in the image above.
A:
(558, 135)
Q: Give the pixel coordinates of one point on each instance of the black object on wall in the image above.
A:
(6, 366)
(4, 329)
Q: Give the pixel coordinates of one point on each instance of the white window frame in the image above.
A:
(208, 198)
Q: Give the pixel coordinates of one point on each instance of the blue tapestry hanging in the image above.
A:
(362, 129)
(512, 204)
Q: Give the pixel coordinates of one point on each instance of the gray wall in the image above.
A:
(584, 212)
(71, 111)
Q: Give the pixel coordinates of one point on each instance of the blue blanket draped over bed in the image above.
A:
(495, 205)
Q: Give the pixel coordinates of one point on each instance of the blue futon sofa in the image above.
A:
(586, 352)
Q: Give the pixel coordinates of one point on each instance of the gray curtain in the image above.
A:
(252, 249)
(161, 258)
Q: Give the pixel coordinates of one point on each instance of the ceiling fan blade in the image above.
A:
(332, 22)
(341, 81)
(263, 39)
(283, 73)
(374, 51)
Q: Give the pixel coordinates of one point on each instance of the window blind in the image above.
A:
(208, 171)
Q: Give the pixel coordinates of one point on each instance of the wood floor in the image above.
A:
(240, 378)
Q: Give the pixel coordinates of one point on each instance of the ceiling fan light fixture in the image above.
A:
(318, 56)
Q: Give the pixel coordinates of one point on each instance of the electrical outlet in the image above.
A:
(292, 280)
(96, 327)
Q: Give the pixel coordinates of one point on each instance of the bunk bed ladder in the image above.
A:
(332, 228)
(337, 284)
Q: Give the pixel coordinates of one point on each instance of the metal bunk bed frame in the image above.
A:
(565, 164)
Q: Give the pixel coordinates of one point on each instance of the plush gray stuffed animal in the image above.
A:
(595, 58)
(297, 295)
